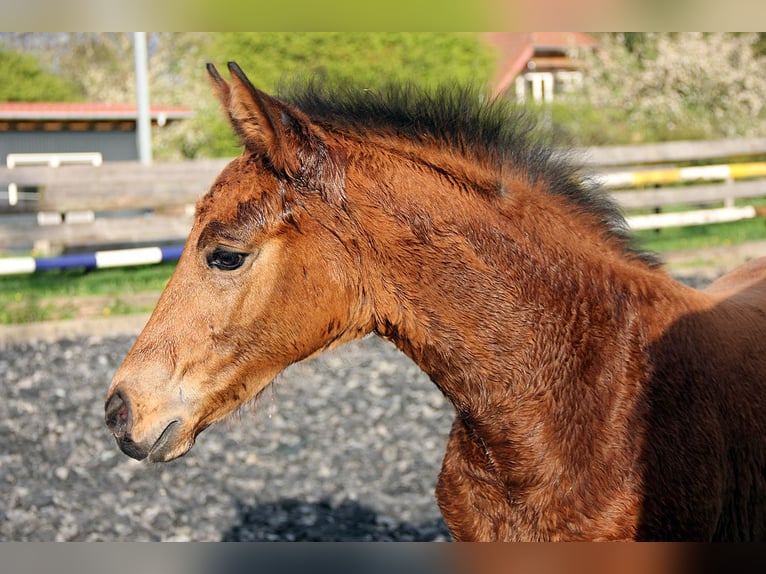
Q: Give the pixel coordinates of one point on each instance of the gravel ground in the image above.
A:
(343, 447)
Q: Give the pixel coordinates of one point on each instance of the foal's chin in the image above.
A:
(170, 443)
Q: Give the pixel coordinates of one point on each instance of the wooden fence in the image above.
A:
(127, 203)
(704, 178)
(119, 203)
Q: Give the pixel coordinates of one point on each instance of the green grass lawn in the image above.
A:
(702, 236)
(48, 294)
(78, 282)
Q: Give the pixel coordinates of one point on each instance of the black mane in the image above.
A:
(493, 131)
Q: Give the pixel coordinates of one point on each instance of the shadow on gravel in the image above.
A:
(297, 520)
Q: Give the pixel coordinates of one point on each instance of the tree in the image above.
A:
(679, 85)
(26, 80)
(362, 58)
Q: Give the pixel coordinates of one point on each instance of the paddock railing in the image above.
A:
(676, 184)
(128, 204)
(114, 204)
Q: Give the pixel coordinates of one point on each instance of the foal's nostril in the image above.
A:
(117, 415)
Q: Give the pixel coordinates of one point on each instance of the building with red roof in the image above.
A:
(537, 65)
(67, 127)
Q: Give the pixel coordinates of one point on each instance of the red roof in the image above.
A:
(515, 49)
(84, 111)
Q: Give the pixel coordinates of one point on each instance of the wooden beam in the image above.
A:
(680, 151)
(693, 194)
(136, 230)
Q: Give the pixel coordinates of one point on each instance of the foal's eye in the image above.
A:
(226, 260)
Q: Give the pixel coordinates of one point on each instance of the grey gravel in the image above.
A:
(346, 446)
(343, 447)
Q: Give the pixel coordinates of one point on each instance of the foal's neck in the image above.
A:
(517, 314)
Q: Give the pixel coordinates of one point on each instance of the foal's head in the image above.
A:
(349, 212)
(264, 281)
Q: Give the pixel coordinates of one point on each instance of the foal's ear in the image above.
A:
(219, 85)
(270, 126)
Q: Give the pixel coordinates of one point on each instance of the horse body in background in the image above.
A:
(595, 397)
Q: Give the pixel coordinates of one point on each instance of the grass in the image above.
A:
(79, 281)
(703, 236)
(29, 308)
(50, 295)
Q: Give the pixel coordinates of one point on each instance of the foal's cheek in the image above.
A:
(244, 297)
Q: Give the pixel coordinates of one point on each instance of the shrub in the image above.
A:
(688, 85)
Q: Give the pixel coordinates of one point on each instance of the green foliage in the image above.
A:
(642, 87)
(25, 80)
(30, 309)
(580, 123)
(760, 46)
(48, 295)
(369, 59)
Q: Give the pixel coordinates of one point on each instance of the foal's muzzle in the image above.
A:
(119, 418)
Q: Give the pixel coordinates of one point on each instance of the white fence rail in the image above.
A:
(12, 160)
(655, 177)
(53, 159)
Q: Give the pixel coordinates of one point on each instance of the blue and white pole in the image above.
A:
(97, 260)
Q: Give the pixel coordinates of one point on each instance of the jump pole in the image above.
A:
(96, 260)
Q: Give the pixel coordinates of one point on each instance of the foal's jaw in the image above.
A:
(163, 424)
